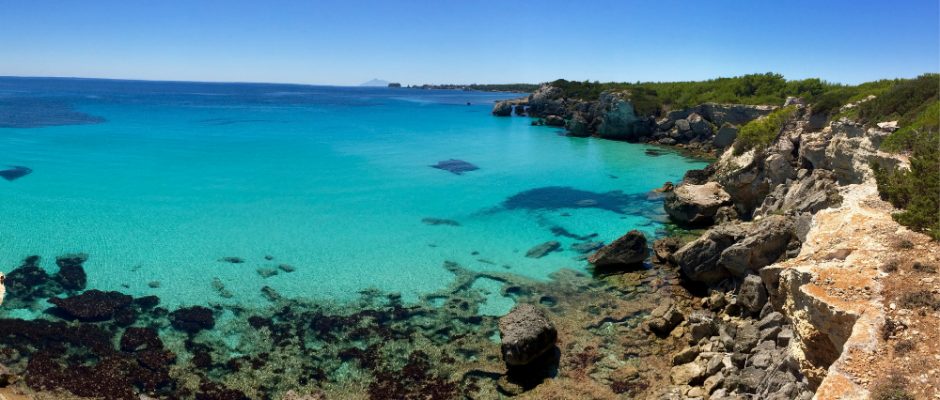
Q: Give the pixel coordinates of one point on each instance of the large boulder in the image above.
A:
(525, 333)
(699, 259)
(543, 101)
(764, 244)
(665, 317)
(578, 126)
(752, 295)
(696, 204)
(502, 109)
(554, 120)
(664, 248)
(725, 136)
(627, 250)
(699, 125)
(619, 120)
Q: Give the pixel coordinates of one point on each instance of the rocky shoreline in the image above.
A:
(794, 254)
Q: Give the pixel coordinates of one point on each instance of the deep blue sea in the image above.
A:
(157, 181)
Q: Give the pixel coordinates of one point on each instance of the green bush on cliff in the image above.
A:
(916, 190)
(906, 139)
(761, 133)
(903, 102)
(838, 95)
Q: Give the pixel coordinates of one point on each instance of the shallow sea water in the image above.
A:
(156, 181)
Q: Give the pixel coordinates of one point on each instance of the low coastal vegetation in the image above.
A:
(916, 190)
(760, 133)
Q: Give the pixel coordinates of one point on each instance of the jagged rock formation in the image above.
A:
(502, 109)
(798, 270)
(627, 250)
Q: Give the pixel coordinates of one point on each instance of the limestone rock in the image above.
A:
(696, 204)
(699, 125)
(725, 136)
(794, 100)
(665, 317)
(619, 120)
(687, 373)
(526, 333)
(699, 259)
(762, 246)
(578, 126)
(664, 248)
(626, 250)
(502, 109)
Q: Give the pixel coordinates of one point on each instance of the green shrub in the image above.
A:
(761, 133)
(906, 244)
(920, 299)
(903, 102)
(926, 268)
(903, 347)
(909, 137)
(916, 190)
(890, 266)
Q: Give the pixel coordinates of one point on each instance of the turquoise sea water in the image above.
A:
(157, 181)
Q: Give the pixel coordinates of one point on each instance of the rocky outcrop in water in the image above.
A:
(502, 109)
(525, 333)
(543, 249)
(627, 250)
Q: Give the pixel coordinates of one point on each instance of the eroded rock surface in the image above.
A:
(628, 249)
(526, 333)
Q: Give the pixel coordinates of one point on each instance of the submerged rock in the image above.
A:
(665, 317)
(438, 221)
(585, 247)
(543, 249)
(192, 319)
(287, 268)
(71, 274)
(267, 272)
(525, 333)
(15, 173)
(456, 167)
(627, 250)
(233, 260)
(93, 305)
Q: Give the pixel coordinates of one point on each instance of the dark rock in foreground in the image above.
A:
(456, 167)
(543, 249)
(438, 221)
(93, 305)
(525, 333)
(15, 173)
(627, 250)
(192, 319)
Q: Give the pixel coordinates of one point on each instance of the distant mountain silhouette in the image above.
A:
(375, 82)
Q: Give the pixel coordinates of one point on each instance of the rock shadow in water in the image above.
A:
(456, 167)
(16, 172)
(558, 197)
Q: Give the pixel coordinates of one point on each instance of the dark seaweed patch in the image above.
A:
(42, 112)
(558, 197)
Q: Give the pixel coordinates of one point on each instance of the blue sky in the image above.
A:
(415, 42)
